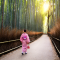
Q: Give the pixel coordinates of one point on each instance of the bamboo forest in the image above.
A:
(29, 14)
(33, 25)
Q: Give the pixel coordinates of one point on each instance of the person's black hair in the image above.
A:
(24, 30)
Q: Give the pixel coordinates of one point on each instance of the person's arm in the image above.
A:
(28, 40)
(21, 38)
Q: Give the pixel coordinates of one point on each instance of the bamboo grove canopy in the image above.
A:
(28, 14)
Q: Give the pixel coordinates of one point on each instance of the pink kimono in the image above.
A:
(24, 42)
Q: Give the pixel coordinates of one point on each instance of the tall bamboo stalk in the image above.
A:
(11, 13)
(2, 12)
(56, 9)
(15, 13)
(53, 10)
(30, 14)
(59, 8)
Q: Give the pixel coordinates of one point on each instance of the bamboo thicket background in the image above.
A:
(28, 14)
(20, 14)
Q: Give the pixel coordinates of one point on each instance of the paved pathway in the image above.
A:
(41, 49)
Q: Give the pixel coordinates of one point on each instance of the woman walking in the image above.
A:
(24, 40)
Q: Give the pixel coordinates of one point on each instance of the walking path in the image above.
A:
(41, 49)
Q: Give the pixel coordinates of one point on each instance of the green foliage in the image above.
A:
(25, 14)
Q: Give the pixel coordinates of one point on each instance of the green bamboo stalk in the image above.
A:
(59, 8)
(30, 14)
(2, 12)
(19, 14)
(15, 13)
(0, 15)
(25, 14)
(11, 13)
(23, 17)
(7, 21)
(22, 21)
(34, 14)
(56, 9)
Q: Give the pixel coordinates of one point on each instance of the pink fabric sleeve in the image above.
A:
(28, 40)
(21, 38)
